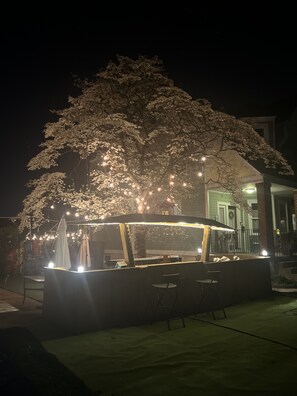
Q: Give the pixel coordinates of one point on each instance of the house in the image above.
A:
(269, 225)
(272, 198)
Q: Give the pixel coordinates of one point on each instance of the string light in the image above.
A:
(141, 200)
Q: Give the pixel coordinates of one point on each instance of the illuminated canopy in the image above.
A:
(158, 219)
(123, 221)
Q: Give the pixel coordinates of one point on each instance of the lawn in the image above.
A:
(253, 351)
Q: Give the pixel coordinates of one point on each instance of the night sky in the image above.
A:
(242, 61)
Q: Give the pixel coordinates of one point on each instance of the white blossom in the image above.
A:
(118, 143)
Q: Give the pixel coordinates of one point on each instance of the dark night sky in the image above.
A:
(241, 61)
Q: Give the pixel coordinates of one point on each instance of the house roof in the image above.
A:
(273, 175)
(158, 219)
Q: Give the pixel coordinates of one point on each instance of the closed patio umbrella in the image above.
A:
(61, 257)
(84, 257)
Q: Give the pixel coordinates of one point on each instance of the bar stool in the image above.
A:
(167, 303)
(210, 292)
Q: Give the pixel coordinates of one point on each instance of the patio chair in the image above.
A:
(167, 303)
(29, 281)
(32, 278)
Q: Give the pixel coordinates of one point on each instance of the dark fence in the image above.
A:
(286, 244)
(245, 241)
(241, 241)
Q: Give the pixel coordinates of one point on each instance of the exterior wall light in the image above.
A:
(249, 190)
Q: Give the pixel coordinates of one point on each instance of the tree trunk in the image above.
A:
(139, 236)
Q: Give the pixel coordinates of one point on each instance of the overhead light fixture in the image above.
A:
(249, 190)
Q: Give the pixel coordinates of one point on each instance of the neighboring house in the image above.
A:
(273, 202)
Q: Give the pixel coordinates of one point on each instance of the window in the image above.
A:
(260, 131)
(263, 130)
(254, 217)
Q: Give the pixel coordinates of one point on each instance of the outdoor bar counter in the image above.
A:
(106, 298)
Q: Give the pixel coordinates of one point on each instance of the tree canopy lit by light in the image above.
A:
(132, 140)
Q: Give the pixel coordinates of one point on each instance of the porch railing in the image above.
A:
(241, 241)
(246, 241)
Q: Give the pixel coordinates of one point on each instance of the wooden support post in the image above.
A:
(126, 243)
(206, 244)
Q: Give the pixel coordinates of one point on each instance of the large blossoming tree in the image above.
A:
(132, 140)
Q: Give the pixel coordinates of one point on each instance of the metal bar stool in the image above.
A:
(210, 292)
(167, 303)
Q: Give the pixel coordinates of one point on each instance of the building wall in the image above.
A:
(213, 198)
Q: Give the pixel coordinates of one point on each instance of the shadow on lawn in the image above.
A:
(27, 368)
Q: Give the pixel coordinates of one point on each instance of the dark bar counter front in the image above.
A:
(106, 298)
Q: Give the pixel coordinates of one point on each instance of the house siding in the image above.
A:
(214, 198)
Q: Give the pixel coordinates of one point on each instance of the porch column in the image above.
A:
(295, 204)
(126, 243)
(265, 217)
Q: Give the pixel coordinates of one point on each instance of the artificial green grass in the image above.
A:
(253, 351)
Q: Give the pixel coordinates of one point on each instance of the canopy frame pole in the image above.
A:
(126, 244)
(206, 244)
